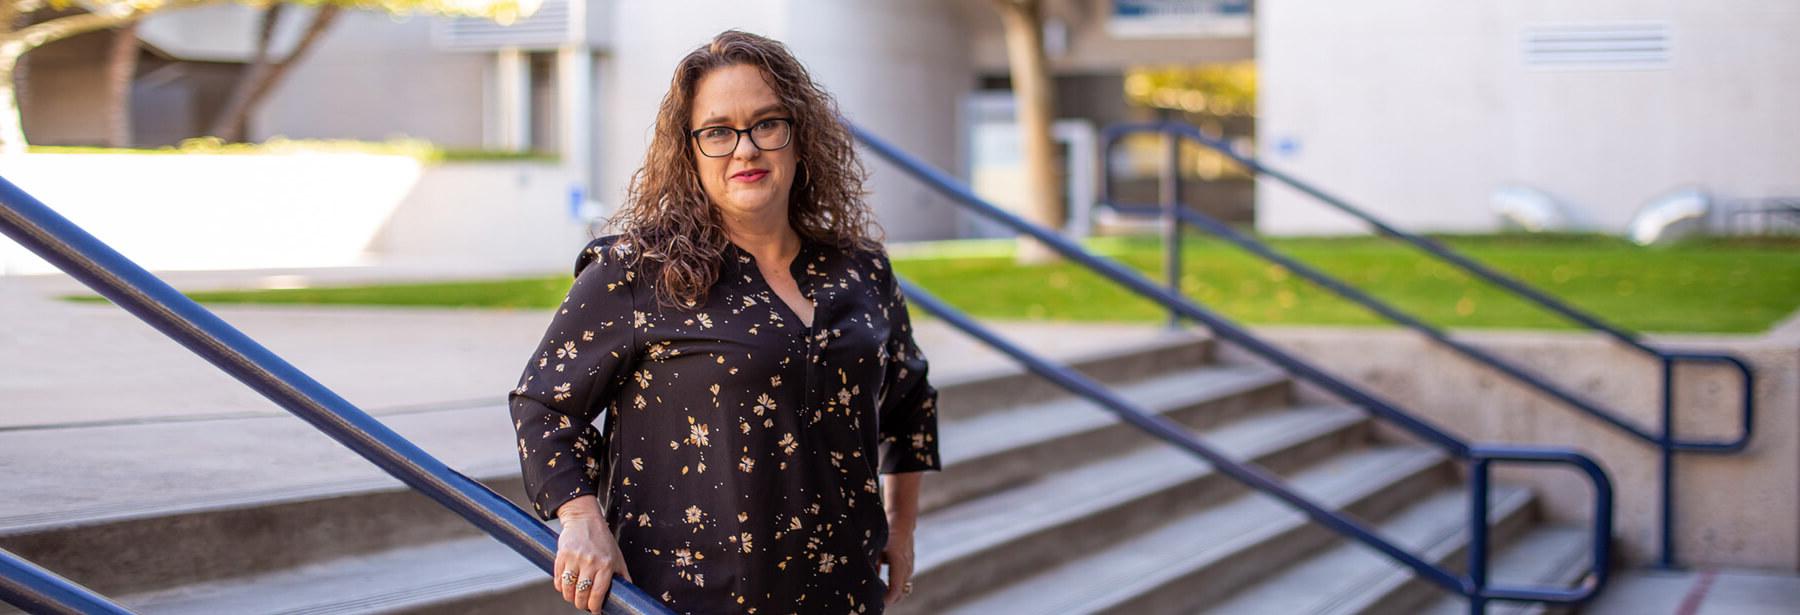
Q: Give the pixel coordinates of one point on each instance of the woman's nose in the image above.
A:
(746, 149)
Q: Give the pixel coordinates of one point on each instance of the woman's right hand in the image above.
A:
(586, 549)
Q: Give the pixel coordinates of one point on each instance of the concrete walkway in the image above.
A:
(1710, 592)
(68, 364)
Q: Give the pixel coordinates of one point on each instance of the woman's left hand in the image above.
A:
(901, 500)
(898, 556)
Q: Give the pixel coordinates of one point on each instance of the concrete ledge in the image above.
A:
(1734, 510)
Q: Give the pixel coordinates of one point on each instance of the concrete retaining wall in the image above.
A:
(1737, 511)
(212, 212)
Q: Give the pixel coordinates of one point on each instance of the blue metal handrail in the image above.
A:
(79, 254)
(1172, 212)
(1473, 586)
(36, 590)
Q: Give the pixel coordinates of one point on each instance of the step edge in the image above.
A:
(1331, 426)
(1423, 462)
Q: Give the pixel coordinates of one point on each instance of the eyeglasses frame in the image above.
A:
(738, 139)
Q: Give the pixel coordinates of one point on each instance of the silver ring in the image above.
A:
(584, 585)
(907, 588)
(568, 576)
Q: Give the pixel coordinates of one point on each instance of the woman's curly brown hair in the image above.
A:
(668, 219)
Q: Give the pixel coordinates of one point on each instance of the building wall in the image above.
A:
(900, 69)
(857, 52)
(373, 76)
(1418, 110)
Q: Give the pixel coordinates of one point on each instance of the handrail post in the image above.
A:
(1599, 569)
(1171, 219)
(1478, 534)
(1666, 560)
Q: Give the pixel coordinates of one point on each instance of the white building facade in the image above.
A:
(1420, 110)
(583, 80)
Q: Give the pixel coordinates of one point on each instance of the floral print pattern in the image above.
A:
(742, 447)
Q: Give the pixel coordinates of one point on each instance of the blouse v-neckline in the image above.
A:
(796, 268)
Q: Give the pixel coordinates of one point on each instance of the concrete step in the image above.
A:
(1396, 589)
(1007, 385)
(200, 500)
(160, 504)
(1546, 556)
(997, 449)
(1195, 556)
(1015, 531)
(1353, 578)
(471, 575)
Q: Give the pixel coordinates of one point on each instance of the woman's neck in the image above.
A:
(776, 243)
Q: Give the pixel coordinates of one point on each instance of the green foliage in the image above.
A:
(1702, 286)
(1712, 285)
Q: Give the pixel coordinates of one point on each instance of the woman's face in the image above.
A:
(750, 181)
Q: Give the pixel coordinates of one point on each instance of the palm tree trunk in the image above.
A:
(1035, 107)
(121, 70)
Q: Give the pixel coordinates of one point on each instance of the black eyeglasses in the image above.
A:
(720, 141)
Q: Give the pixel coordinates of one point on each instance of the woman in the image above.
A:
(768, 415)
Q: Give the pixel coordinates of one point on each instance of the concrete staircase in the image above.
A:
(1046, 505)
(1094, 517)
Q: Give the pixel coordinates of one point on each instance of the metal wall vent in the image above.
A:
(1598, 46)
(546, 29)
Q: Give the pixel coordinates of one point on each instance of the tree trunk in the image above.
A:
(15, 43)
(1034, 106)
(121, 70)
(227, 125)
(264, 75)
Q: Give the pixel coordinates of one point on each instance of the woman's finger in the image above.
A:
(896, 580)
(565, 580)
(596, 597)
(571, 593)
(556, 572)
(896, 583)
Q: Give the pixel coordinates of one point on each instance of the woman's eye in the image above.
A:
(714, 133)
(764, 125)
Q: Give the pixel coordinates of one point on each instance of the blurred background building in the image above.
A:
(1442, 117)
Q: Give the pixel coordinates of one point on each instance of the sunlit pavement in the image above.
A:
(1700, 592)
(92, 363)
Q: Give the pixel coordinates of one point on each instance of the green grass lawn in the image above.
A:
(1714, 285)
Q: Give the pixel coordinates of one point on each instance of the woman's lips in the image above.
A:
(749, 176)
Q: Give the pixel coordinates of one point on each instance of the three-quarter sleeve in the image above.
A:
(908, 406)
(580, 365)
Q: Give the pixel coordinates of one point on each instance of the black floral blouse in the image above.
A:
(743, 446)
